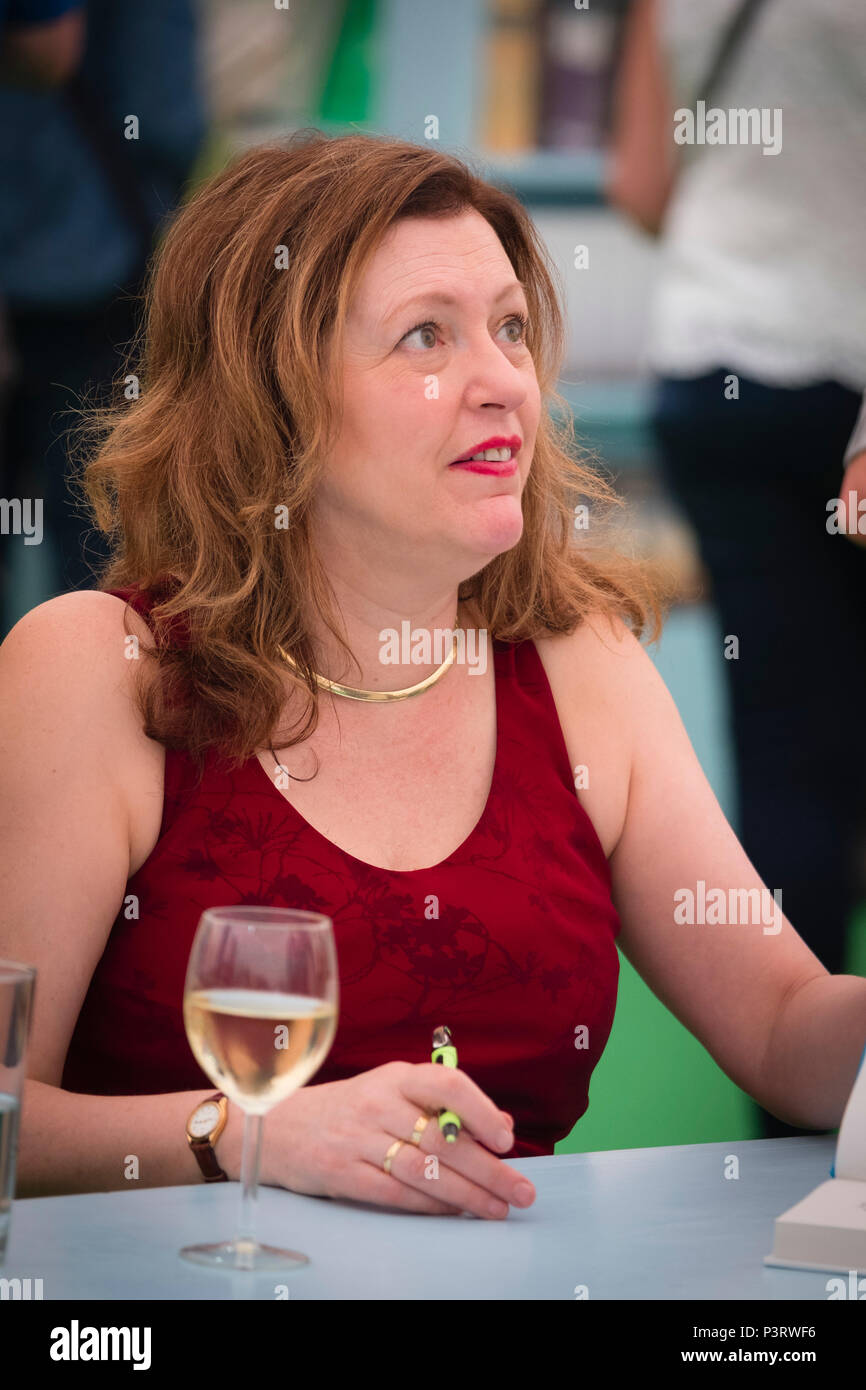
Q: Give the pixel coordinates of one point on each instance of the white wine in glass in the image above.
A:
(260, 1008)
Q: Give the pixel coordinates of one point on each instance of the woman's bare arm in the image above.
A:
(73, 762)
(790, 1034)
(641, 167)
(78, 1143)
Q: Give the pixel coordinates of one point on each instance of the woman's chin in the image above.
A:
(496, 523)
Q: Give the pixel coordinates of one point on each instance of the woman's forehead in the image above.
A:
(435, 255)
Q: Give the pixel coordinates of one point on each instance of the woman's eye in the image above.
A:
(522, 323)
(430, 326)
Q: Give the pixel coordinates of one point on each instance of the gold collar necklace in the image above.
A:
(382, 695)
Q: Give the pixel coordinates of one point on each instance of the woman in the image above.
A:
(331, 326)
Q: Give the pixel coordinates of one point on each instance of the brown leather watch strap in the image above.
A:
(204, 1149)
(207, 1160)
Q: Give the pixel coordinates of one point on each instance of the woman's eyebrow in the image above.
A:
(445, 297)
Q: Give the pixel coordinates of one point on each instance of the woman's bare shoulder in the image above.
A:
(80, 638)
(74, 659)
(601, 655)
(85, 614)
(597, 675)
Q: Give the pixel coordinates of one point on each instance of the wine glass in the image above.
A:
(260, 1009)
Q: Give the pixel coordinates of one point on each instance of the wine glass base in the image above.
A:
(243, 1255)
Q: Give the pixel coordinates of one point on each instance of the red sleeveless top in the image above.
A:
(520, 963)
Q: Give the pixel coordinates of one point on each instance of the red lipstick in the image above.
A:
(499, 441)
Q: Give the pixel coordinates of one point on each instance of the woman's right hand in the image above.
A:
(331, 1140)
(853, 493)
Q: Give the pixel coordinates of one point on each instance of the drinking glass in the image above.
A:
(17, 983)
(260, 1008)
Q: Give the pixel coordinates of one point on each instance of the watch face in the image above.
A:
(204, 1119)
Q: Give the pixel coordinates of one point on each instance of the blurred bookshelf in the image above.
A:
(521, 85)
(527, 94)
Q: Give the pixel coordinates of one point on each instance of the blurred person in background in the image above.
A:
(759, 345)
(40, 45)
(92, 160)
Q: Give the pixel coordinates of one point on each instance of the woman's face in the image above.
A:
(417, 398)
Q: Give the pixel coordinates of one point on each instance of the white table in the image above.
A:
(659, 1223)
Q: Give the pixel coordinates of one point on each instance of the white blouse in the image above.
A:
(764, 257)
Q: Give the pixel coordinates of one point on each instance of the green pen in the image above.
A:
(445, 1052)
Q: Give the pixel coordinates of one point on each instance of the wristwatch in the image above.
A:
(203, 1129)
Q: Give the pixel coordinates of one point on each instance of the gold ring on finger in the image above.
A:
(391, 1152)
(420, 1125)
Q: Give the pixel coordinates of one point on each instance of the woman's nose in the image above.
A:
(490, 377)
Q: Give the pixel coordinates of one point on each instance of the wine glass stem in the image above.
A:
(250, 1157)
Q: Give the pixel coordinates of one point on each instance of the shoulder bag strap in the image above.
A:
(729, 43)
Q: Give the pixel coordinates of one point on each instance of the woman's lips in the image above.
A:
(498, 470)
